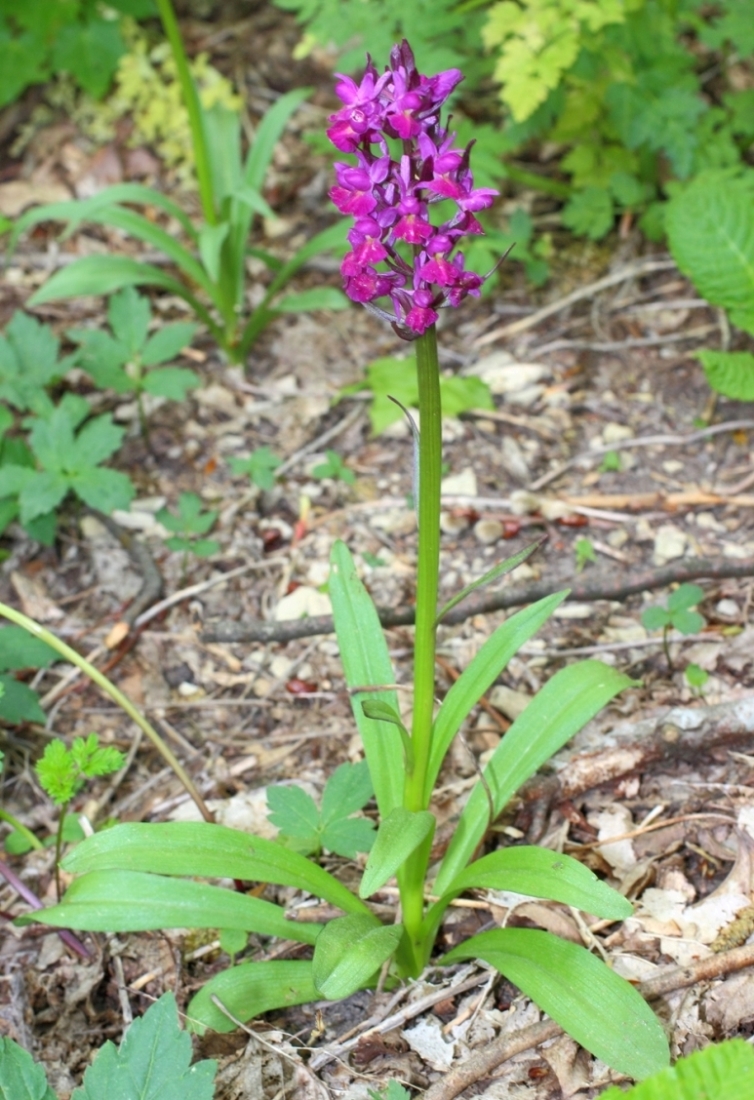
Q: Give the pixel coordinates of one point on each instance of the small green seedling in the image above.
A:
(63, 772)
(308, 829)
(611, 463)
(154, 1059)
(66, 450)
(260, 465)
(334, 467)
(677, 615)
(584, 552)
(189, 522)
(130, 361)
(696, 677)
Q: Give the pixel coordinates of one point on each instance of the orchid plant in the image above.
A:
(407, 167)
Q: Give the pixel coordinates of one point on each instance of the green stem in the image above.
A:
(191, 99)
(59, 851)
(117, 696)
(430, 470)
(22, 830)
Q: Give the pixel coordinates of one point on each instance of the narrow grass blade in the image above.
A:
(268, 134)
(498, 570)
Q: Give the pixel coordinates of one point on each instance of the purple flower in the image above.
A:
(397, 251)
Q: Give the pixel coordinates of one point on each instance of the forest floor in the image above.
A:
(599, 362)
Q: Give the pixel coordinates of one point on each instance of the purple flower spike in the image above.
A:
(391, 199)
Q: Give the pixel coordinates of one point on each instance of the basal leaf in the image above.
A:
(567, 702)
(483, 670)
(153, 1060)
(599, 1009)
(305, 301)
(211, 240)
(399, 834)
(21, 1078)
(268, 134)
(366, 663)
(131, 901)
(207, 850)
(543, 874)
(103, 275)
(250, 989)
(730, 373)
(349, 952)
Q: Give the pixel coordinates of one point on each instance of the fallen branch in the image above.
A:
(482, 1062)
(584, 589)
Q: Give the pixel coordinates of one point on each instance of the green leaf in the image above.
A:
(172, 382)
(347, 836)
(567, 702)
(483, 670)
(366, 663)
(103, 358)
(211, 240)
(268, 134)
(21, 1078)
(295, 813)
(306, 301)
(399, 834)
(102, 275)
(720, 1071)
(129, 315)
(18, 703)
(206, 850)
(349, 952)
(458, 395)
(249, 990)
(688, 622)
(233, 940)
(655, 618)
(29, 363)
(543, 874)
(599, 1009)
(20, 649)
(348, 789)
(730, 373)
(493, 574)
(191, 518)
(589, 213)
(710, 227)
(684, 597)
(167, 342)
(105, 490)
(260, 466)
(90, 53)
(130, 901)
(153, 1060)
(41, 494)
(23, 64)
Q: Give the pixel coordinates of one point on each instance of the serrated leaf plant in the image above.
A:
(153, 1059)
(139, 876)
(308, 828)
(129, 359)
(260, 466)
(66, 449)
(334, 467)
(210, 257)
(188, 524)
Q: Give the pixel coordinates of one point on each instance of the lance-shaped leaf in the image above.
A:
(248, 990)
(541, 873)
(498, 570)
(398, 836)
(599, 1009)
(207, 850)
(366, 663)
(477, 677)
(566, 703)
(131, 901)
(383, 712)
(349, 952)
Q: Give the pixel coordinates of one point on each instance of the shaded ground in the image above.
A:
(599, 375)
